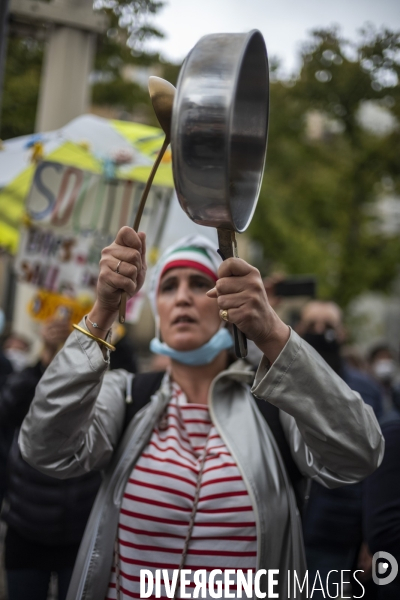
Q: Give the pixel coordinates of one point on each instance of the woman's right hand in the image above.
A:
(128, 254)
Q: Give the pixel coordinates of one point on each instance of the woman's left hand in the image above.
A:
(240, 291)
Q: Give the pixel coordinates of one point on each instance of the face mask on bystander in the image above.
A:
(384, 369)
(18, 358)
(327, 346)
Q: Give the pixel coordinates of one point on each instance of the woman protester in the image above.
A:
(196, 478)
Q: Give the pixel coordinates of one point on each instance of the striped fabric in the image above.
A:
(158, 500)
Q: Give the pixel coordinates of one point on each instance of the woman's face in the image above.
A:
(188, 318)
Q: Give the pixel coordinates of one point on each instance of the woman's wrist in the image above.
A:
(275, 340)
(99, 321)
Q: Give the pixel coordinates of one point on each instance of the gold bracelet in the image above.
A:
(93, 337)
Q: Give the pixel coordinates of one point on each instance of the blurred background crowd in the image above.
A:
(326, 237)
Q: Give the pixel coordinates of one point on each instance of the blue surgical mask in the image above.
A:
(222, 340)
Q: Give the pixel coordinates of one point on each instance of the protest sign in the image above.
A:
(71, 215)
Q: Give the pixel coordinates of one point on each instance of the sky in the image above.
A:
(284, 23)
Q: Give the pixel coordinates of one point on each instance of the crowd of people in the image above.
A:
(45, 517)
(207, 437)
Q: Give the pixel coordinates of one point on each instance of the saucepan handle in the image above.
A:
(228, 249)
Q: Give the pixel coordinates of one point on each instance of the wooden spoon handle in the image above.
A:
(122, 304)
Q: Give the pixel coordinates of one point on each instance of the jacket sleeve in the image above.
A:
(77, 414)
(333, 435)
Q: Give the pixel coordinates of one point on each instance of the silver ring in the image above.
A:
(117, 269)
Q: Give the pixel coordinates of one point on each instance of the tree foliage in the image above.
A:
(314, 213)
(320, 189)
(111, 86)
(21, 86)
(134, 17)
(129, 28)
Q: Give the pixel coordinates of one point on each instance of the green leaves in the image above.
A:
(324, 168)
(21, 86)
(129, 26)
(134, 17)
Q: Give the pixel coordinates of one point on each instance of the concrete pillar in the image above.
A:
(64, 88)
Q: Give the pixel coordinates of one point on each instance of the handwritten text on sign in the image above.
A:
(73, 215)
(82, 202)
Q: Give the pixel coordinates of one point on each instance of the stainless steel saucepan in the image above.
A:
(219, 136)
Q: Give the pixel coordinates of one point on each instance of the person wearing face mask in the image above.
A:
(332, 521)
(45, 517)
(16, 349)
(384, 369)
(193, 475)
(321, 325)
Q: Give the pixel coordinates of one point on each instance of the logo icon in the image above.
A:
(384, 564)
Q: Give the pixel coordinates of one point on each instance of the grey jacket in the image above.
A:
(75, 423)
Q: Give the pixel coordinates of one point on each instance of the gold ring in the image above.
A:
(117, 269)
(224, 315)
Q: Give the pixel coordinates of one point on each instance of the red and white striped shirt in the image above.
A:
(158, 501)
